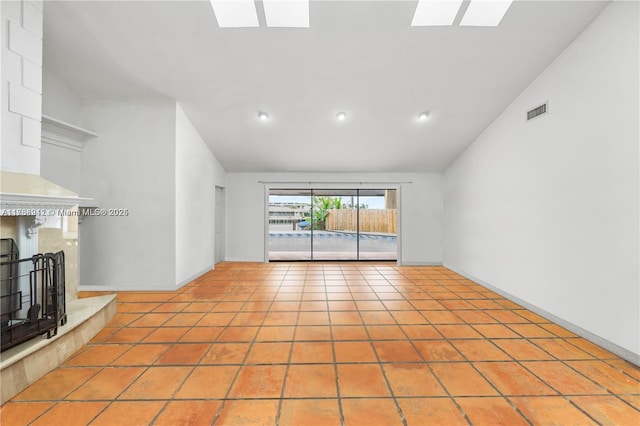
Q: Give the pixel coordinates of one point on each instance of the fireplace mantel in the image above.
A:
(65, 135)
(31, 192)
(11, 204)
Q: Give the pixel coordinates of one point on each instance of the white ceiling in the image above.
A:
(361, 57)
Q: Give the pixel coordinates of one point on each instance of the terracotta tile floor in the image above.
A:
(330, 344)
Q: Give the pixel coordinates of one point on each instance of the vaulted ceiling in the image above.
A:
(360, 57)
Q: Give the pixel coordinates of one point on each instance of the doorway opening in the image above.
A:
(219, 220)
(333, 224)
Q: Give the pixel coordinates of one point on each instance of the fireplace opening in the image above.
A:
(32, 295)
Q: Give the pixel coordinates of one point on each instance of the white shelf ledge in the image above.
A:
(65, 135)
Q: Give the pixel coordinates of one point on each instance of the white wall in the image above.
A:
(58, 163)
(421, 211)
(131, 165)
(197, 172)
(59, 101)
(62, 166)
(547, 210)
(20, 86)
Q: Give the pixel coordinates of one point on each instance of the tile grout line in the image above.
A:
(494, 386)
(472, 365)
(237, 373)
(554, 359)
(153, 363)
(520, 363)
(379, 363)
(144, 370)
(333, 354)
(408, 289)
(288, 365)
(427, 364)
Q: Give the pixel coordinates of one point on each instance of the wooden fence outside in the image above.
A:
(371, 220)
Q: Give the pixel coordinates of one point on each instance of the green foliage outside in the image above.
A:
(321, 207)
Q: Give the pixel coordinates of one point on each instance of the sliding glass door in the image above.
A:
(289, 237)
(336, 224)
(378, 222)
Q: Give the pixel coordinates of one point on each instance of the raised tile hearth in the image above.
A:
(24, 364)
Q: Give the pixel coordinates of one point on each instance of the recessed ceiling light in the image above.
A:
(341, 116)
(263, 116)
(435, 12)
(423, 116)
(235, 13)
(286, 13)
(485, 13)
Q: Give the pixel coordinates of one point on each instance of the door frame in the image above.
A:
(218, 220)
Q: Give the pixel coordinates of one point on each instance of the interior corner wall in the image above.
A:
(60, 164)
(197, 173)
(547, 210)
(420, 210)
(59, 101)
(131, 166)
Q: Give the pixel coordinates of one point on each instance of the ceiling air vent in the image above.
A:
(542, 109)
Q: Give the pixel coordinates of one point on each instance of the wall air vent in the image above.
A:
(542, 109)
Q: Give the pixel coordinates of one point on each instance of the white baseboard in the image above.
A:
(624, 353)
(237, 259)
(194, 276)
(118, 288)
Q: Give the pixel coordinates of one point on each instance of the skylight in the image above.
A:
(485, 13)
(435, 12)
(286, 13)
(235, 13)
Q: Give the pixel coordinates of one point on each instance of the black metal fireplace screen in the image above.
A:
(32, 295)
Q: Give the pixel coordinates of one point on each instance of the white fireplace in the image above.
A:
(41, 217)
